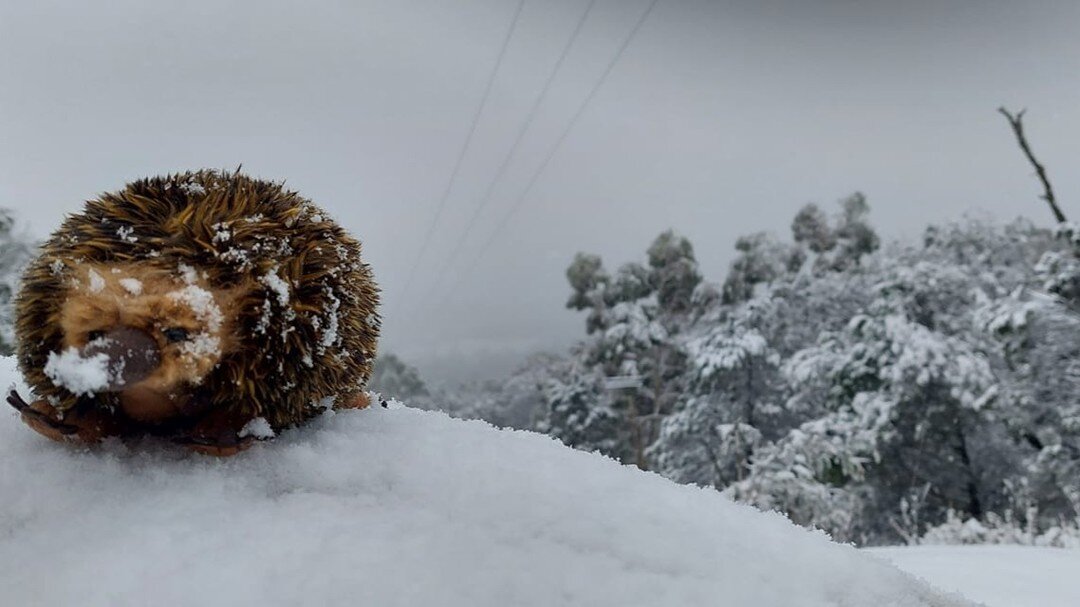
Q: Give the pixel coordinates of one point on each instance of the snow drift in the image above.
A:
(398, 507)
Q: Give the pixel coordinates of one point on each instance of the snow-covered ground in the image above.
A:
(399, 507)
(999, 576)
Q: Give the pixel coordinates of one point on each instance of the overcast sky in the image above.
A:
(722, 118)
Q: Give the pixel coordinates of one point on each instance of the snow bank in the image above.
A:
(999, 576)
(399, 507)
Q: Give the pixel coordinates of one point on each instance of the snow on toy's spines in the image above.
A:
(277, 286)
(132, 285)
(202, 303)
(189, 275)
(126, 233)
(97, 283)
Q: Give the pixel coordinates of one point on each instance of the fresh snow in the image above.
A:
(201, 302)
(97, 283)
(132, 285)
(188, 274)
(193, 188)
(399, 507)
(998, 576)
(126, 234)
(257, 428)
(278, 285)
(79, 374)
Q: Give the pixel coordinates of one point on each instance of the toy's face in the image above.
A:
(160, 332)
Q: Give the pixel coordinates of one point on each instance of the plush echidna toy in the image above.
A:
(206, 307)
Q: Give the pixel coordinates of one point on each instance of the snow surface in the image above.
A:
(999, 576)
(399, 507)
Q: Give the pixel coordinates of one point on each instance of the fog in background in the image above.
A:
(721, 118)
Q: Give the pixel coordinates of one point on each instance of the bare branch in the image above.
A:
(1017, 124)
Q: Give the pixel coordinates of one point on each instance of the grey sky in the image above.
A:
(721, 119)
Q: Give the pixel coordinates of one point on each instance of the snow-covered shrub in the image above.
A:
(1060, 269)
(997, 528)
(16, 250)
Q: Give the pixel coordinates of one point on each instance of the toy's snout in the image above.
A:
(133, 356)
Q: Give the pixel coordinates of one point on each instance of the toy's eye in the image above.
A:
(175, 334)
(94, 335)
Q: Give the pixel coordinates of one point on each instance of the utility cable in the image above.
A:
(526, 125)
(518, 202)
(464, 148)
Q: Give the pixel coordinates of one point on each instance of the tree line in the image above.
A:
(876, 391)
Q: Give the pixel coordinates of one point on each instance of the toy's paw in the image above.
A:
(358, 400)
(44, 419)
(219, 433)
(221, 446)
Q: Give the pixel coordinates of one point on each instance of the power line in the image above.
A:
(464, 147)
(530, 117)
(555, 148)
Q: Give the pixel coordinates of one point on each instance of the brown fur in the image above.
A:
(238, 239)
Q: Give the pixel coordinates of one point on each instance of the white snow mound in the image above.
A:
(399, 507)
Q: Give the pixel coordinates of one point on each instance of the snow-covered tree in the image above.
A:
(879, 392)
(1060, 269)
(710, 437)
(16, 249)
(811, 229)
(761, 260)
(579, 413)
(1039, 404)
(588, 284)
(626, 375)
(899, 402)
(673, 271)
(856, 238)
